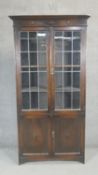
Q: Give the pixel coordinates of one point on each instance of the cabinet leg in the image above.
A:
(21, 160)
(82, 159)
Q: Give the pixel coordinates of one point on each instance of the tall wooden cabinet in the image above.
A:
(50, 76)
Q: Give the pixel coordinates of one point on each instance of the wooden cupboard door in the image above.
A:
(35, 125)
(67, 136)
(67, 58)
(68, 91)
(34, 136)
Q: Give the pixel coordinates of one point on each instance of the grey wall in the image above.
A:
(8, 127)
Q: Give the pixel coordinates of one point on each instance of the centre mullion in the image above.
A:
(29, 72)
(62, 70)
(51, 72)
(72, 72)
(37, 70)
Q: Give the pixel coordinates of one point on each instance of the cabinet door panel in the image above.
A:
(34, 69)
(67, 135)
(67, 68)
(35, 136)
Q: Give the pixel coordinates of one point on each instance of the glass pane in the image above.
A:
(33, 69)
(67, 45)
(25, 80)
(24, 45)
(42, 58)
(43, 100)
(76, 79)
(42, 42)
(25, 100)
(67, 58)
(32, 34)
(58, 69)
(58, 79)
(76, 69)
(34, 100)
(24, 59)
(76, 100)
(33, 79)
(67, 69)
(67, 79)
(42, 80)
(33, 58)
(58, 34)
(42, 69)
(59, 100)
(76, 44)
(76, 58)
(58, 44)
(67, 100)
(58, 40)
(68, 34)
(32, 45)
(23, 34)
(58, 58)
(76, 33)
(25, 69)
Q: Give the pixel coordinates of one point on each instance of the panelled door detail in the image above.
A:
(34, 57)
(34, 89)
(67, 51)
(67, 69)
(50, 86)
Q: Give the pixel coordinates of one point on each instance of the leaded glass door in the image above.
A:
(37, 68)
(67, 90)
(35, 92)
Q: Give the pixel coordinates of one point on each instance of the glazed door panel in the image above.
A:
(67, 69)
(34, 70)
(67, 91)
(35, 125)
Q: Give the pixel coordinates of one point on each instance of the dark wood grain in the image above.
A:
(51, 134)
